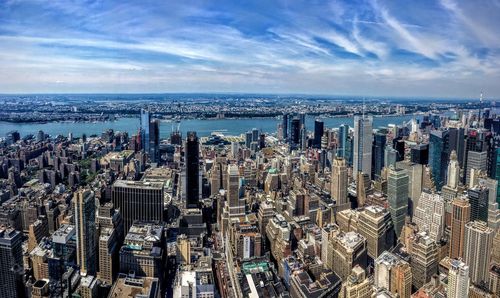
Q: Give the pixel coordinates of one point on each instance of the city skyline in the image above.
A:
(441, 49)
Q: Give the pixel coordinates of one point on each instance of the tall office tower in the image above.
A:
(390, 156)
(255, 135)
(460, 216)
(349, 250)
(248, 139)
(339, 183)
(453, 177)
(476, 161)
(110, 225)
(439, 152)
(393, 274)
(357, 285)
(379, 141)
(478, 199)
(236, 206)
(138, 200)
(343, 139)
(192, 161)
(376, 226)
(319, 130)
(11, 256)
(142, 250)
(362, 151)
(397, 195)
(295, 132)
(420, 154)
(154, 140)
(416, 179)
(424, 259)
(493, 210)
(457, 143)
(477, 250)
(458, 280)
(302, 118)
(84, 213)
(477, 140)
(303, 139)
(430, 215)
(284, 127)
(145, 130)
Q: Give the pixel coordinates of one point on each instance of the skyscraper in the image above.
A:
(376, 226)
(478, 246)
(477, 161)
(478, 199)
(460, 216)
(154, 140)
(84, 213)
(11, 256)
(138, 200)
(458, 280)
(145, 130)
(339, 183)
(192, 161)
(362, 156)
(393, 273)
(343, 139)
(379, 141)
(397, 194)
(284, 127)
(295, 132)
(439, 156)
(236, 207)
(319, 129)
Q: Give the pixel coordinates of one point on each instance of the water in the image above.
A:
(202, 127)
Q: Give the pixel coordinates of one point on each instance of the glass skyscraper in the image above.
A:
(439, 156)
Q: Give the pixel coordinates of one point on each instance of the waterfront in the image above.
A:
(202, 127)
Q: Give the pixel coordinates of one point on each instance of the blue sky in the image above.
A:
(442, 48)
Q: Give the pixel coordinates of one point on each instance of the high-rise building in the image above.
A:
(430, 215)
(236, 206)
(138, 200)
(457, 143)
(393, 274)
(460, 216)
(192, 162)
(349, 249)
(154, 140)
(379, 141)
(357, 285)
(85, 224)
(420, 154)
(145, 130)
(376, 226)
(477, 247)
(343, 139)
(319, 129)
(255, 135)
(11, 264)
(397, 195)
(390, 156)
(439, 152)
(284, 127)
(295, 132)
(339, 183)
(424, 259)
(142, 250)
(477, 140)
(458, 280)
(362, 149)
(477, 161)
(478, 199)
(248, 139)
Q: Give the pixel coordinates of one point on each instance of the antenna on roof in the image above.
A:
(363, 109)
(481, 97)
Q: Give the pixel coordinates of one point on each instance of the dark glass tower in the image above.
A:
(192, 160)
(379, 141)
(319, 129)
(439, 155)
(295, 132)
(145, 130)
(343, 136)
(154, 140)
